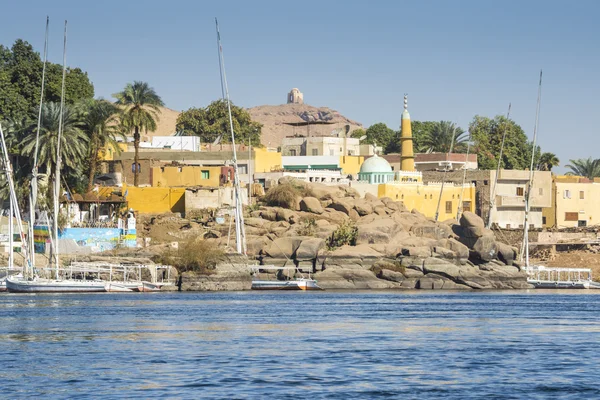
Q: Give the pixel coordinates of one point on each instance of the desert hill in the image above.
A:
(274, 119)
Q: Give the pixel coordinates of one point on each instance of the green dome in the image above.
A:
(375, 165)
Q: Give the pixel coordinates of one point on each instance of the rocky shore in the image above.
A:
(385, 246)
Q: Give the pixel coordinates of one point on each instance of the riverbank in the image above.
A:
(348, 242)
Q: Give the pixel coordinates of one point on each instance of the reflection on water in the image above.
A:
(289, 345)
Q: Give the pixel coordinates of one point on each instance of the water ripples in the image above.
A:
(346, 345)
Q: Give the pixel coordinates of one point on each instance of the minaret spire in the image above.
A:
(407, 157)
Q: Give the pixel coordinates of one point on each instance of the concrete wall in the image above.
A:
(151, 200)
(186, 175)
(212, 198)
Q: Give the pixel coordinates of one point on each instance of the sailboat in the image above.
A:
(240, 236)
(539, 276)
(30, 282)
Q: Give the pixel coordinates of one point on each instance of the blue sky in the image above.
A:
(454, 59)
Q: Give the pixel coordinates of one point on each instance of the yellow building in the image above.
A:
(108, 152)
(185, 176)
(407, 185)
(266, 161)
(350, 165)
(154, 200)
(574, 203)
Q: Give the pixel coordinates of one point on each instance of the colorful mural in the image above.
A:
(41, 238)
(101, 239)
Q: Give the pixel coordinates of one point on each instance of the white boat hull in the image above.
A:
(54, 286)
(299, 284)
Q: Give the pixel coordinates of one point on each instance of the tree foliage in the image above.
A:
(487, 135)
(588, 168)
(100, 125)
(21, 82)
(140, 112)
(213, 121)
(442, 136)
(380, 135)
(547, 161)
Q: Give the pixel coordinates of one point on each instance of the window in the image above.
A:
(567, 194)
(179, 169)
(205, 174)
(331, 152)
(430, 196)
(243, 168)
(292, 152)
(449, 207)
(315, 152)
(581, 195)
(541, 191)
(139, 168)
(571, 216)
(520, 191)
(543, 220)
(485, 183)
(581, 223)
(466, 206)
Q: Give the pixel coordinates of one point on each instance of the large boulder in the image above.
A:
(363, 207)
(407, 220)
(485, 249)
(286, 215)
(441, 267)
(309, 249)
(341, 205)
(284, 247)
(507, 254)
(431, 230)
(325, 192)
(257, 222)
(473, 226)
(460, 250)
(311, 204)
(334, 216)
(367, 235)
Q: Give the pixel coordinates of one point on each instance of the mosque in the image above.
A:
(441, 201)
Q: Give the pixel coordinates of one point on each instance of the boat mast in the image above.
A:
(240, 236)
(462, 189)
(493, 196)
(28, 270)
(525, 245)
(34, 172)
(437, 209)
(58, 158)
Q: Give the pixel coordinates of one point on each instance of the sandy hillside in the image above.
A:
(165, 125)
(274, 118)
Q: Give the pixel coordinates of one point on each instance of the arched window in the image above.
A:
(139, 168)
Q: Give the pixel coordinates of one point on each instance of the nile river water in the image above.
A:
(339, 345)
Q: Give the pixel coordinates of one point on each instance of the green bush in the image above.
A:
(345, 234)
(308, 227)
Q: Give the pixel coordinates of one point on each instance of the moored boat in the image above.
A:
(40, 285)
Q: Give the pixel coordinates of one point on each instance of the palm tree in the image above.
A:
(547, 161)
(141, 109)
(73, 141)
(100, 124)
(588, 168)
(439, 138)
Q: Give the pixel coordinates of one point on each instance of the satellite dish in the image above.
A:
(363, 137)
